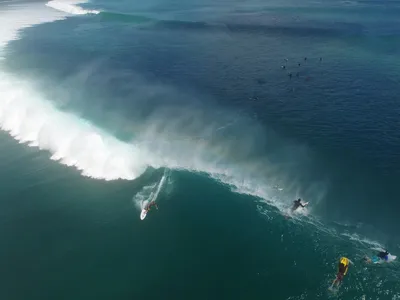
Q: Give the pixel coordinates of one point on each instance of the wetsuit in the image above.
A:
(297, 204)
(383, 255)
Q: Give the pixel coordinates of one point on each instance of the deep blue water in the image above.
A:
(193, 92)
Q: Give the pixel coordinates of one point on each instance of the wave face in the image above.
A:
(179, 137)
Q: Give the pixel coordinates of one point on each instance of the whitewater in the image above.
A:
(70, 8)
(34, 120)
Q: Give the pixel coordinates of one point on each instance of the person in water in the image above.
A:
(297, 203)
(343, 267)
(383, 255)
(150, 205)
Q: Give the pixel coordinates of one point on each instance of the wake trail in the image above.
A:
(150, 192)
(160, 186)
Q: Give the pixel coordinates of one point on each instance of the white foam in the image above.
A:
(15, 18)
(70, 8)
(31, 119)
(72, 141)
(363, 240)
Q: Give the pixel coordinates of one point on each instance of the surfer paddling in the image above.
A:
(343, 267)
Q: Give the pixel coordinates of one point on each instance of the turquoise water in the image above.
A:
(186, 103)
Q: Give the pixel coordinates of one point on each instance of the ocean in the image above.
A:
(223, 113)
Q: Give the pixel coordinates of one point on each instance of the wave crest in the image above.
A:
(71, 140)
(70, 8)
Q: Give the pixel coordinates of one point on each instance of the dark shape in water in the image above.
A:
(260, 81)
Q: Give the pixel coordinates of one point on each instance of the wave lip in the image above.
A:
(70, 8)
(32, 119)
(71, 140)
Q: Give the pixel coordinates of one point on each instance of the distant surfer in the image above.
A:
(298, 203)
(283, 67)
(343, 267)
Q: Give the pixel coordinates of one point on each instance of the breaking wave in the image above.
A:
(70, 8)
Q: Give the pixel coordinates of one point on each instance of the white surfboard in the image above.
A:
(391, 257)
(143, 214)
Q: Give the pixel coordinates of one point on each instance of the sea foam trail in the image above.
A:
(70, 8)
